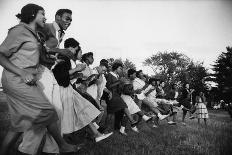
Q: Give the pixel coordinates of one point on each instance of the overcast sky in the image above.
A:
(136, 29)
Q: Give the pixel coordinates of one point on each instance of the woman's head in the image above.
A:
(32, 12)
(74, 47)
(186, 85)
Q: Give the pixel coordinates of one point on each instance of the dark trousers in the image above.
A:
(119, 119)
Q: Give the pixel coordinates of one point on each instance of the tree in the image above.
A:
(168, 65)
(177, 68)
(223, 74)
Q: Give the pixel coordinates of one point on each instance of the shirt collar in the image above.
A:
(57, 27)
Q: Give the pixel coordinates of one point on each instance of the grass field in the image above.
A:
(213, 139)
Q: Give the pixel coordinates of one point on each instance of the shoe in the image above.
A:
(123, 133)
(77, 148)
(161, 117)
(134, 124)
(103, 136)
(186, 109)
(171, 123)
(191, 117)
(154, 126)
(183, 123)
(135, 129)
(173, 113)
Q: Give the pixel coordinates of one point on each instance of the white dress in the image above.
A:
(201, 110)
(77, 111)
(74, 111)
(139, 84)
(132, 106)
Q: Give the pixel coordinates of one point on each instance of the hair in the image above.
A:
(138, 72)
(85, 56)
(104, 62)
(60, 12)
(153, 79)
(173, 85)
(130, 72)
(116, 65)
(29, 12)
(71, 42)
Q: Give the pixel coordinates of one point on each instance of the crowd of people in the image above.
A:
(53, 91)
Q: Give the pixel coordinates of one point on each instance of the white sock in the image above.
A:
(145, 117)
(182, 106)
(122, 129)
(96, 126)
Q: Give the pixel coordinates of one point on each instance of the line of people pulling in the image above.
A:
(53, 91)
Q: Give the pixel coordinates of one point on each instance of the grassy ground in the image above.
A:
(215, 138)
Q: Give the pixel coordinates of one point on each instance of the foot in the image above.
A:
(123, 133)
(135, 129)
(171, 123)
(161, 117)
(68, 148)
(173, 113)
(185, 109)
(133, 124)
(183, 123)
(103, 136)
(191, 117)
(154, 126)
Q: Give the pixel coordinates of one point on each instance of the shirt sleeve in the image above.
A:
(15, 37)
(147, 89)
(136, 85)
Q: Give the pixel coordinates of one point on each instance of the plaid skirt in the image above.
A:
(201, 111)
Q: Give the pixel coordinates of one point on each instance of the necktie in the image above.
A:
(61, 34)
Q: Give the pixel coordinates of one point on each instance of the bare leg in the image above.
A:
(129, 115)
(205, 121)
(174, 118)
(94, 130)
(63, 145)
(184, 114)
(9, 140)
(98, 136)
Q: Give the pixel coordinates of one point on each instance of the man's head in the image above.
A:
(131, 73)
(87, 58)
(139, 74)
(74, 47)
(63, 18)
(103, 67)
(162, 83)
(117, 67)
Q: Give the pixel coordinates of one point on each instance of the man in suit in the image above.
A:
(52, 33)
